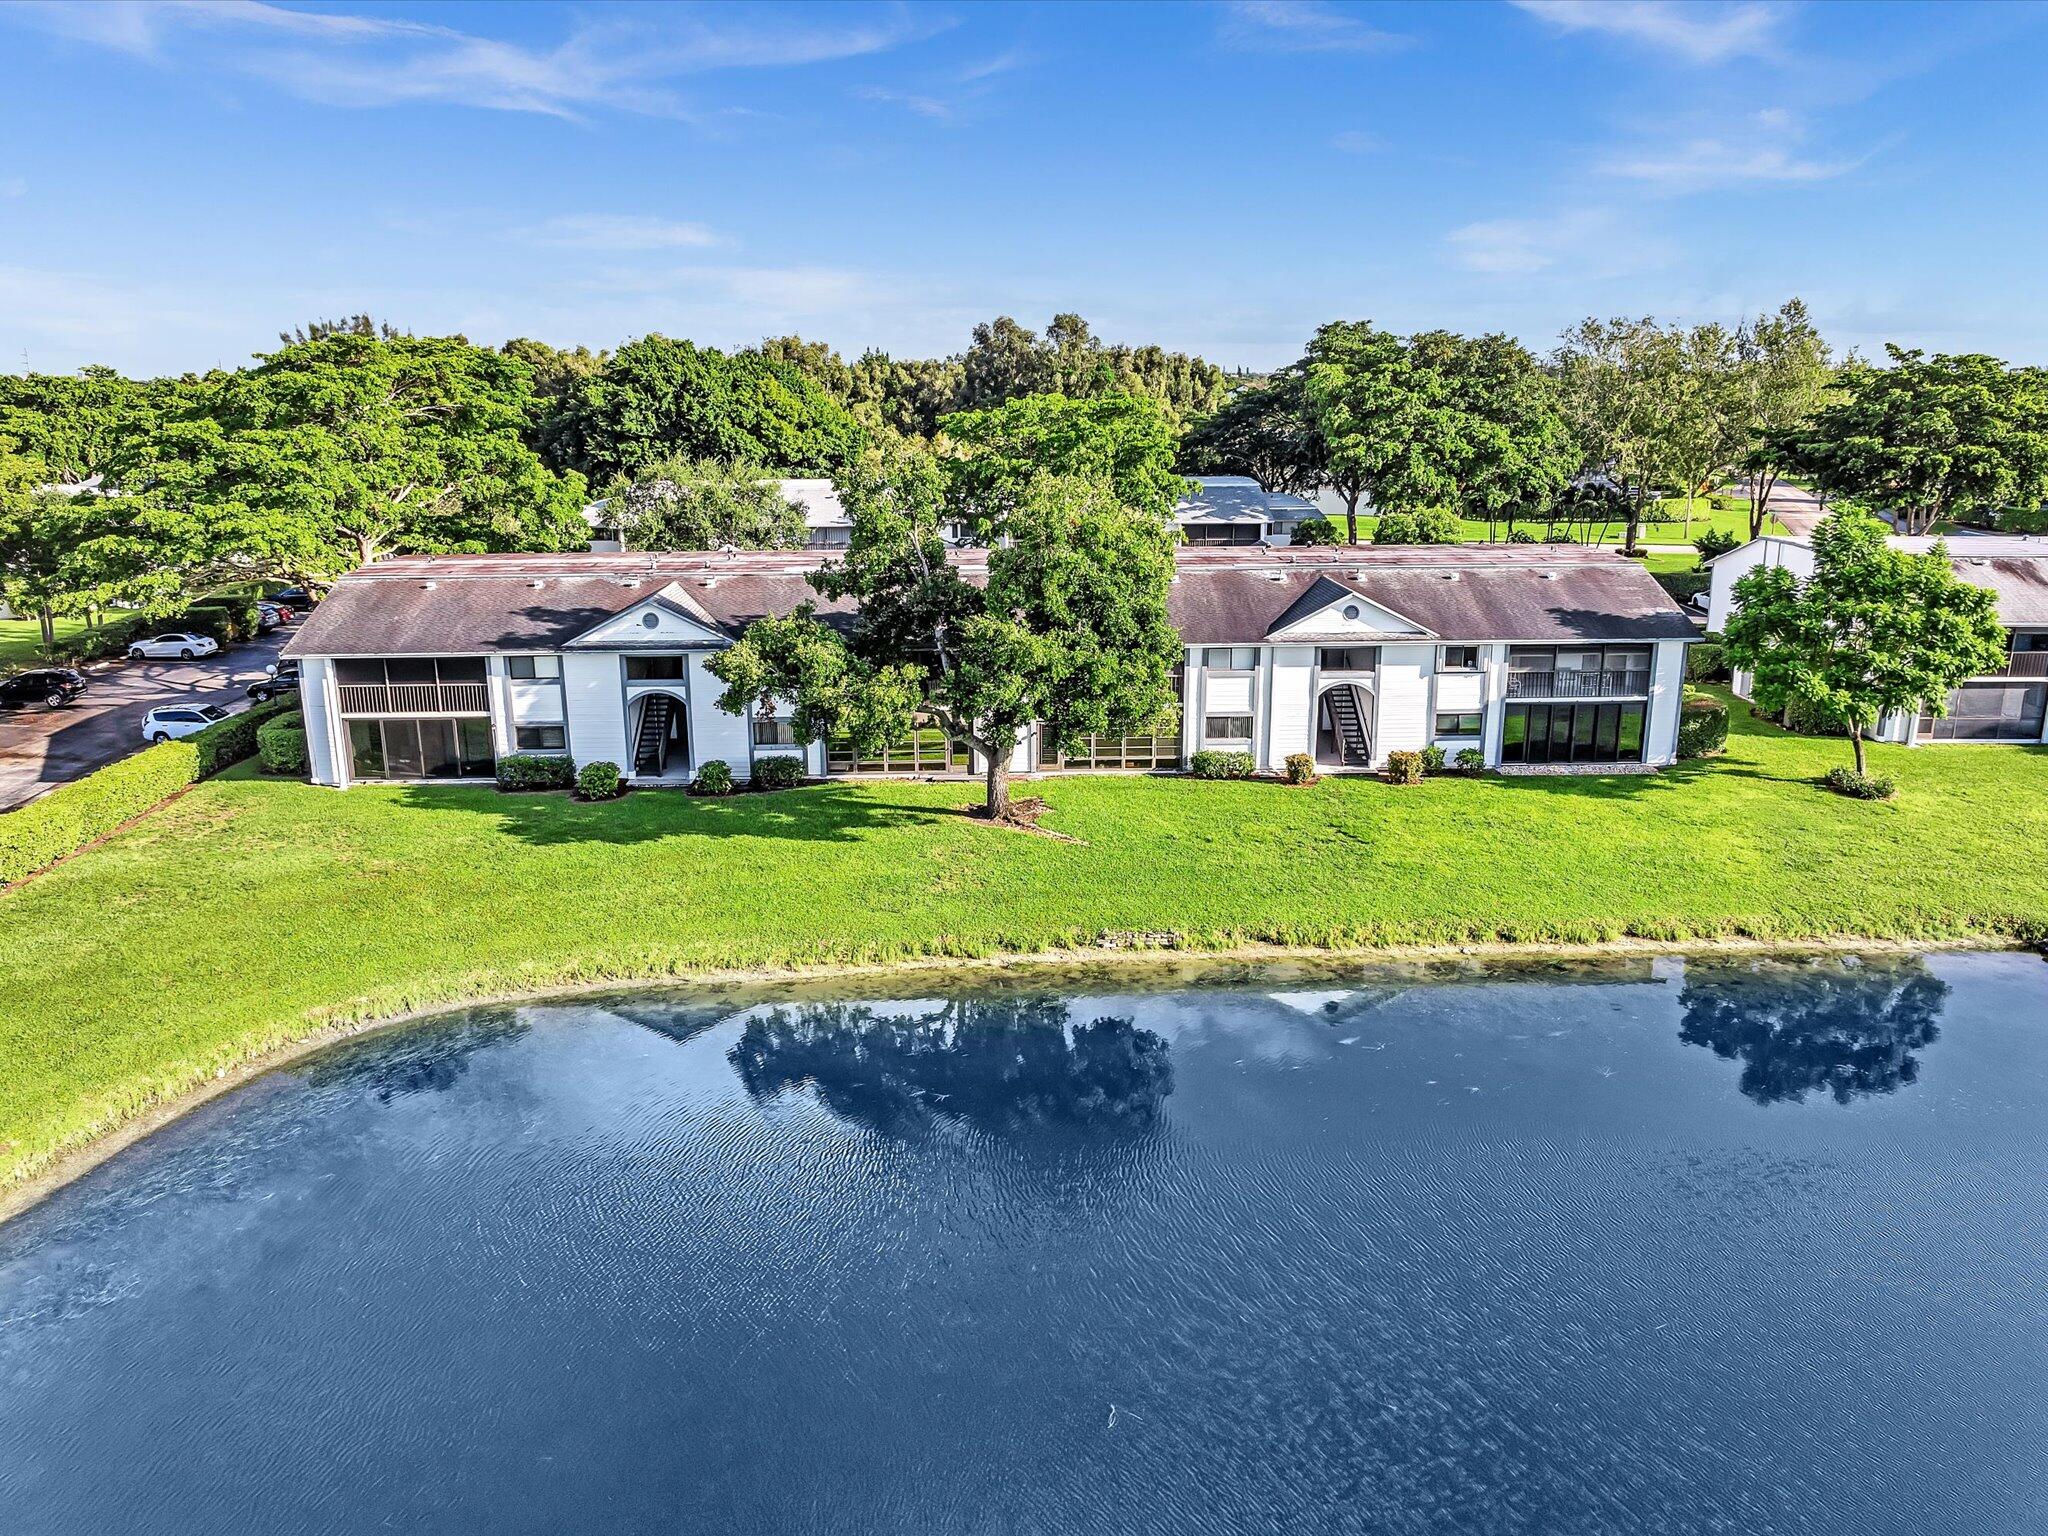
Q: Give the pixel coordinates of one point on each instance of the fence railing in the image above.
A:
(1584, 684)
(413, 698)
(2027, 664)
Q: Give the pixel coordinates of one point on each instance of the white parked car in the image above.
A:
(170, 720)
(173, 643)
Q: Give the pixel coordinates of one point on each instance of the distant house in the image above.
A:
(427, 667)
(1234, 509)
(828, 524)
(2008, 705)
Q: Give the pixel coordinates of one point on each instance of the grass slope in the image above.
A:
(1733, 520)
(248, 912)
(21, 641)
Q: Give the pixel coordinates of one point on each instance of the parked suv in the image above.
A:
(284, 678)
(177, 642)
(50, 686)
(167, 721)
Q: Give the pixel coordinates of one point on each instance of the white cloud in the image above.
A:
(1303, 26)
(1586, 243)
(620, 232)
(341, 59)
(1697, 33)
(1763, 151)
(909, 101)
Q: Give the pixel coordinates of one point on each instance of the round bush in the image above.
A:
(1706, 662)
(522, 771)
(1470, 760)
(281, 747)
(1715, 541)
(1860, 786)
(778, 772)
(1809, 719)
(1702, 726)
(1301, 768)
(713, 778)
(599, 781)
(1404, 767)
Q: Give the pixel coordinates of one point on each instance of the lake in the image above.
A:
(1752, 1246)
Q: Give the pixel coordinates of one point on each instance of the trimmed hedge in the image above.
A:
(778, 772)
(69, 817)
(110, 639)
(599, 781)
(1222, 765)
(1301, 768)
(1706, 662)
(1404, 767)
(281, 748)
(713, 778)
(1702, 726)
(519, 772)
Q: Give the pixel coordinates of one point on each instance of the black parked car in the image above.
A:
(284, 678)
(50, 686)
(298, 599)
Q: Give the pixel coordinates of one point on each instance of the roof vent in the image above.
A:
(1275, 575)
(427, 586)
(1546, 575)
(1448, 575)
(536, 582)
(630, 581)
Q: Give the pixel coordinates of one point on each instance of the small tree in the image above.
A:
(1871, 631)
(1625, 394)
(676, 503)
(1426, 525)
(1071, 629)
(1781, 379)
(1126, 442)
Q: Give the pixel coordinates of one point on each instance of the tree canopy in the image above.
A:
(1928, 439)
(677, 503)
(1264, 430)
(1126, 441)
(1872, 630)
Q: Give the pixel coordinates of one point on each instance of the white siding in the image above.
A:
(713, 732)
(1292, 703)
(1230, 693)
(592, 694)
(1404, 723)
(322, 750)
(1667, 692)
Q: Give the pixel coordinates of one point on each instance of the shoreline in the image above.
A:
(72, 1163)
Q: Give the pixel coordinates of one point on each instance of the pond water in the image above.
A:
(1750, 1247)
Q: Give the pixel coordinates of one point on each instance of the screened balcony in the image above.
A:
(412, 685)
(1579, 672)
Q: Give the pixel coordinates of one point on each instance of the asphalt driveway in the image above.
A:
(42, 748)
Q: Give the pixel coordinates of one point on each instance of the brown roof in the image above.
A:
(462, 604)
(2020, 583)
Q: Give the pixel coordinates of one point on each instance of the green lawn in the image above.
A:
(21, 640)
(1733, 520)
(248, 912)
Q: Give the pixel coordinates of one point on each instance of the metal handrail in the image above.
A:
(1586, 684)
(413, 698)
(2027, 664)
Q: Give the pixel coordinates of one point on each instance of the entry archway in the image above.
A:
(1344, 727)
(658, 735)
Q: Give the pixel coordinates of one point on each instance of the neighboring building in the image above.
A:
(2008, 705)
(1233, 509)
(433, 666)
(827, 522)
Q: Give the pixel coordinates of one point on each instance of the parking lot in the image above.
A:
(42, 748)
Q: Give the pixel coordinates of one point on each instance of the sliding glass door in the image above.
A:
(421, 749)
(1573, 733)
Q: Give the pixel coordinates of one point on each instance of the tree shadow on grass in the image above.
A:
(825, 813)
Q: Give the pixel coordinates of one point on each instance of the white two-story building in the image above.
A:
(1535, 657)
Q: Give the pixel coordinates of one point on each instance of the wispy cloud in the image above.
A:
(342, 59)
(1586, 242)
(1697, 33)
(1764, 150)
(910, 101)
(950, 93)
(619, 232)
(1303, 26)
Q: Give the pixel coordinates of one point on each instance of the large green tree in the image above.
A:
(657, 397)
(333, 453)
(1384, 427)
(677, 503)
(1071, 628)
(1871, 631)
(1929, 438)
(1782, 372)
(1623, 386)
(1126, 441)
(1507, 450)
(1264, 429)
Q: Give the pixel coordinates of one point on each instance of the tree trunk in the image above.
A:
(49, 622)
(1688, 512)
(998, 805)
(366, 548)
(1760, 487)
(1351, 517)
(1633, 527)
(1856, 741)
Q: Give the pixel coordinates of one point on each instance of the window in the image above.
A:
(1467, 723)
(775, 733)
(1231, 658)
(1221, 533)
(1348, 658)
(540, 738)
(653, 669)
(1457, 658)
(530, 668)
(1572, 733)
(1227, 728)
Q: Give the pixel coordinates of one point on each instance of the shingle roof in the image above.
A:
(2014, 567)
(1239, 498)
(463, 604)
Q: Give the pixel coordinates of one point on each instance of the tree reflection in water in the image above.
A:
(429, 1060)
(1000, 1065)
(1848, 1026)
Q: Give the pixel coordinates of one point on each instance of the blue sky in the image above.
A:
(179, 183)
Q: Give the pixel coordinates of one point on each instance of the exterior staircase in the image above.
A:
(650, 748)
(1351, 740)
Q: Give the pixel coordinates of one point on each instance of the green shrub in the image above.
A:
(1805, 718)
(1432, 759)
(74, 814)
(1301, 768)
(713, 778)
(1470, 760)
(209, 619)
(1404, 767)
(778, 772)
(1222, 765)
(599, 781)
(1706, 662)
(1683, 586)
(111, 639)
(1521, 536)
(1428, 525)
(1318, 530)
(1715, 541)
(281, 747)
(519, 772)
(1860, 786)
(1702, 725)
